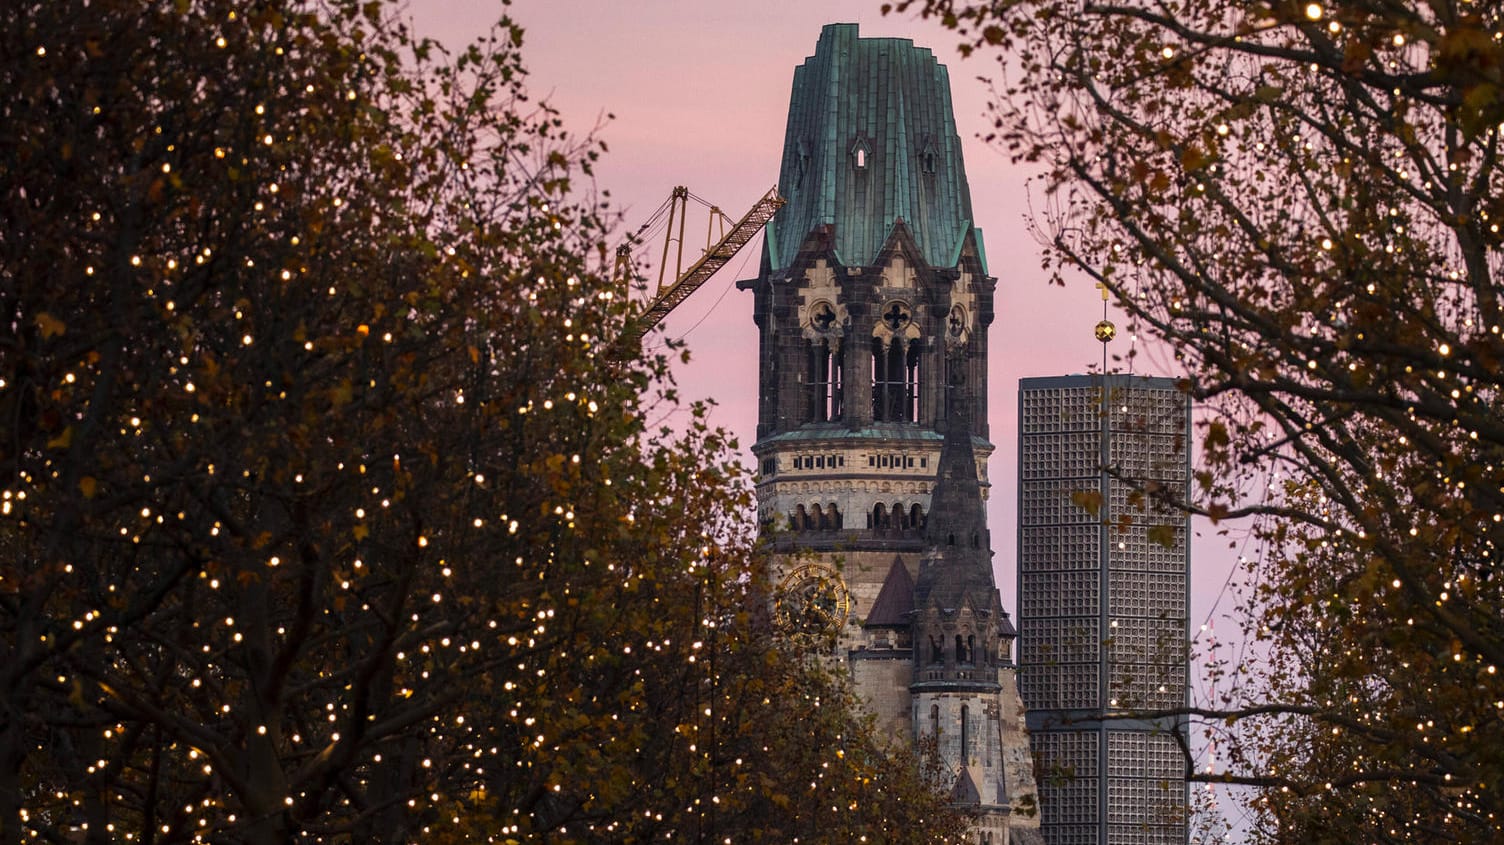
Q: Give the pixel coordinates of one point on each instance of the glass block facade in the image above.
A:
(1103, 586)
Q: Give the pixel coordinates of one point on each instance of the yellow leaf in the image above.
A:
(49, 325)
(88, 485)
(1162, 535)
(361, 532)
(62, 441)
(1087, 500)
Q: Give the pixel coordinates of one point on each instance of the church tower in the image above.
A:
(872, 305)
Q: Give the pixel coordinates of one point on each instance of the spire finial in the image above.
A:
(1105, 330)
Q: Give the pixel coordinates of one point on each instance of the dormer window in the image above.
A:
(860, 154)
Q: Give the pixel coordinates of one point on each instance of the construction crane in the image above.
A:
(686, 282)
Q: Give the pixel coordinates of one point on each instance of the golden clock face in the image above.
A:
(812, 601)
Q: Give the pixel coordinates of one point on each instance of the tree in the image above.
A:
(1303, 200)
(325, 516)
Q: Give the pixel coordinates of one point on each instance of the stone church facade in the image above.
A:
(873, 303)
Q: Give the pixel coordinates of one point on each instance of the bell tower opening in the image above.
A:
(824, 377)
(895, 381)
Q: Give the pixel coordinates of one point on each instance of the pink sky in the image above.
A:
(699, 92)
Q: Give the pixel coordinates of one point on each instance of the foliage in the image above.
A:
(323, 516)
(1303, 199)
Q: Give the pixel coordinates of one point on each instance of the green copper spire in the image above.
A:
(871, 140)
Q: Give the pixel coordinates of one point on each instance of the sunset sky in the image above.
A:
(698, 93)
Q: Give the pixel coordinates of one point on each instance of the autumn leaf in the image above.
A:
(49, 325)
(1087, 500)
(1193, 158)
(62, 440)
(1162, 535)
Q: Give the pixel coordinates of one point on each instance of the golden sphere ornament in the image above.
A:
(1106, 331)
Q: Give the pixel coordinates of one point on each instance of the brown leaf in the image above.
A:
(1162, 535)
(1087, 500)
(49, 325)
(62, 441)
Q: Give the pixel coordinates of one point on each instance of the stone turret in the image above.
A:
(963, 690)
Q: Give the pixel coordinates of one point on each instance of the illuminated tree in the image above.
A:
(1303, 200)
(324, 515)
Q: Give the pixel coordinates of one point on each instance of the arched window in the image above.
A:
(971, 649)
(898, 516)
(801, 519)
(817, 518)
(965, 733)
(911, 384)
(879, 516)
(937, 651)
(961, 650)
(833, 513)
(916, 517)
(934, 720)
(895, 380)
(823, 379)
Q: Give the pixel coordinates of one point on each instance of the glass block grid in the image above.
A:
(1062, 455)
(1062, 547)
(1065, 686)
(1056, 640)
(1156, 410)
(1071, 592)
(1066, 765)
(1145, 641)
(1144, 754)
(1141, 456)
(1158, 596)
(1131, 549)
(1145, 789)
(1049, 503)
(1144, 835)
(1068, 834)
(1055, 409)
(1145, 686)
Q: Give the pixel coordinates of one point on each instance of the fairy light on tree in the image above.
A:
(322, 519)
(1301, 200)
